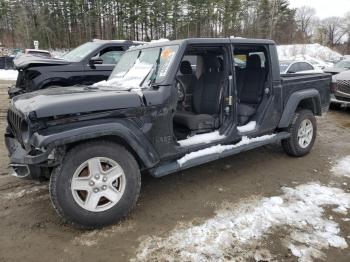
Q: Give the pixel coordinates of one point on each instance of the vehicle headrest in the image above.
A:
(185, 68)
(212, 63)
(221, 64)
(253, 61)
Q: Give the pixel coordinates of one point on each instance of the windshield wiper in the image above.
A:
(153, 71)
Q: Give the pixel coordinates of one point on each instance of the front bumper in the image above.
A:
(19, 156)
(338, 99)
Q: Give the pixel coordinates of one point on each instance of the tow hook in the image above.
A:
(20, 170)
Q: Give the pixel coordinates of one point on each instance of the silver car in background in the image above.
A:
(298, 67)
(342, 94)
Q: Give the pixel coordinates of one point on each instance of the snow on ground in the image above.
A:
(248, 127)
(236, 231)
(342, 167)
(8, 74)
(218, 149)
(201, 138)
(314, 52)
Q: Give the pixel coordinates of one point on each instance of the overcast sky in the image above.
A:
(325, 8)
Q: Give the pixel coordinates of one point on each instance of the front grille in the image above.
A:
(15, 121)
(344, 86)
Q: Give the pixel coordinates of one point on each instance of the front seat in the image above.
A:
(251, 90)
(206, 99)
(187, 78)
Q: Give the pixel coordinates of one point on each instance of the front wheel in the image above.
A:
(302, 134)
(97, 184)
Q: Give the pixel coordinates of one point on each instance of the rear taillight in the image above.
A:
(334, 87)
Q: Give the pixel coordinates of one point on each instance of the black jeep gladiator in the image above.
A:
(166, 107)
(84, 65)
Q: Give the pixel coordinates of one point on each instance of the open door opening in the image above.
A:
(251, 67)
(202, 82)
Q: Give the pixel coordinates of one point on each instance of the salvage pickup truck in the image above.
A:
(85, 65)
(166, 107)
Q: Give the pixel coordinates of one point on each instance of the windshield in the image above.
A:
(77, 54)
(283, 67)
(343, 64)
(142, 67)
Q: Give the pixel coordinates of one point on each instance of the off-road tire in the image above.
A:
(60, 185)
(291, 145)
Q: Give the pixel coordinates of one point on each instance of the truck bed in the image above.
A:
(295, 82)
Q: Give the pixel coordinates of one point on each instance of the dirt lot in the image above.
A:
(31, 230)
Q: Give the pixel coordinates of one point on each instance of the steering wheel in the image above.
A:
(181, 93)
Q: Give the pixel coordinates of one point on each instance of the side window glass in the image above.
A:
(294, 68)
(111, 57)
(308, 67)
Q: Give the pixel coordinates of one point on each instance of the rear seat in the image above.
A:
(250, 86)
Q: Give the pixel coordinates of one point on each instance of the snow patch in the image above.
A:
(93, 237)
(218, 149)
(342, 167)
(248, 127)
(201, 138)
(160, 40)
(236, 231)
(314, 52)
(131, 79)
(8, 74)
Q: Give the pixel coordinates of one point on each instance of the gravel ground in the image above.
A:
(31, 230)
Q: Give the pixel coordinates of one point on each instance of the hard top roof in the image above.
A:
(234, 40)
(103, 41)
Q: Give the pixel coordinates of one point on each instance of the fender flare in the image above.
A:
(294, 101)
(53, 80)
(129, 134)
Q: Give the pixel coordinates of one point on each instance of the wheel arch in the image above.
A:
(306, 99)
(117, 140)
(131, 138)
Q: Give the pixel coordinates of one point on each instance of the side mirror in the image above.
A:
(290, 72)
(96, 61)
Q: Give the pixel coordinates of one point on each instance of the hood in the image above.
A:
(25, 61)
(334, 70)
(343, 76)
(73, 100)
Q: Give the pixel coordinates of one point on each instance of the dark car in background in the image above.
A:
(85, 65)
(6, 62)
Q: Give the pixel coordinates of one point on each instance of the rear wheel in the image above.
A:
(97, 184)
(302, 134)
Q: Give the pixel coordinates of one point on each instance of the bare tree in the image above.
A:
(334, 30)
(305, 17)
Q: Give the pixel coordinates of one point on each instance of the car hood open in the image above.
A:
(25, 61)
(74, 100)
